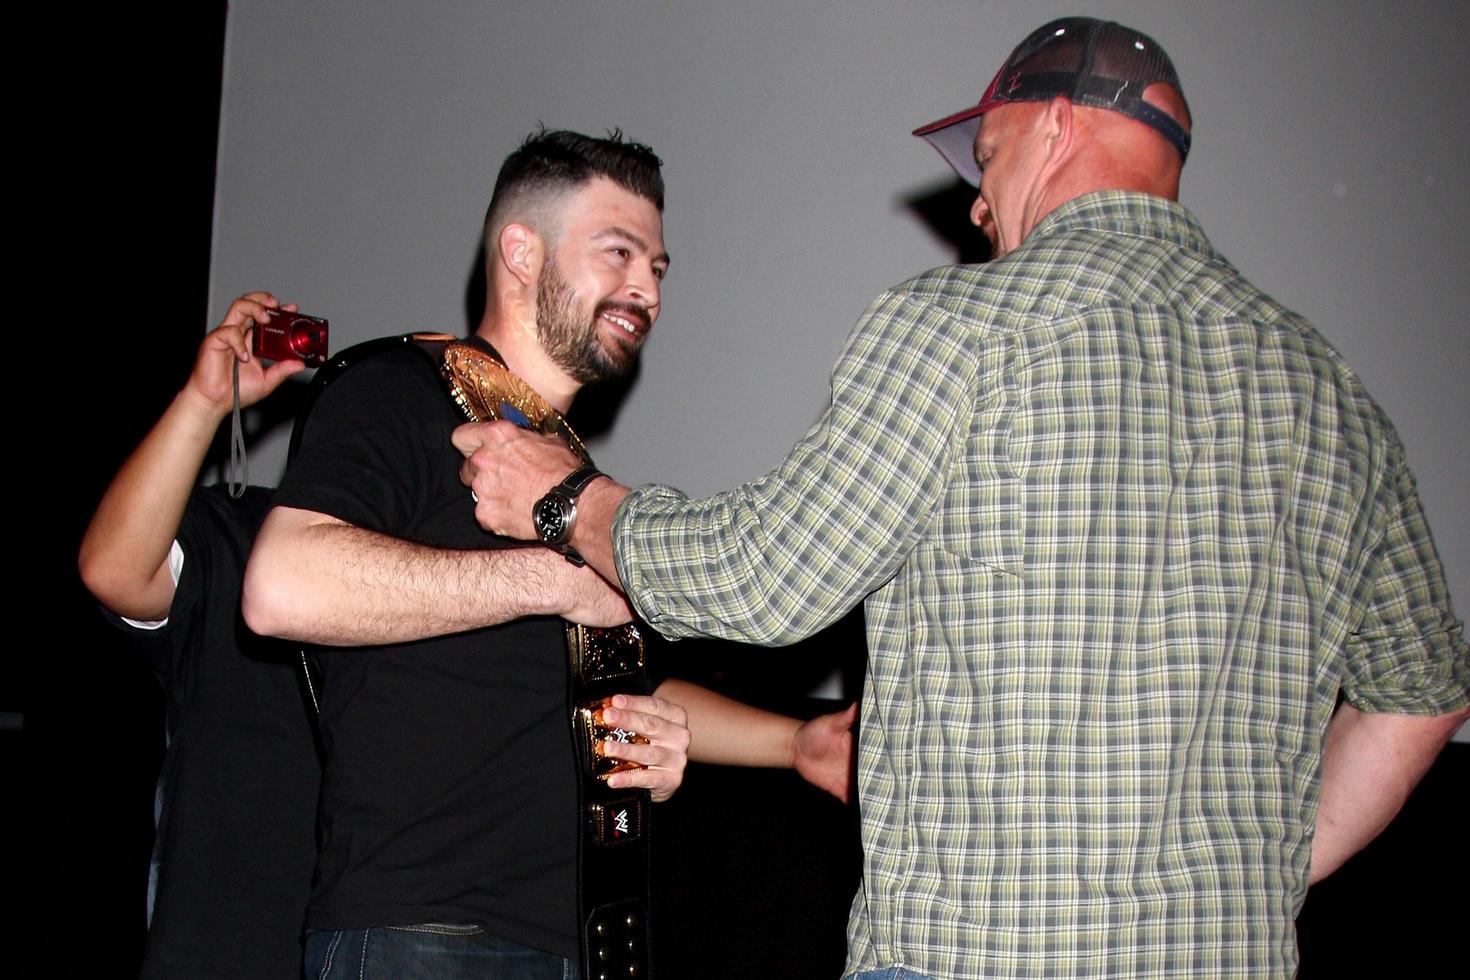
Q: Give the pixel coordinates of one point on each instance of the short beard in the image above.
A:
(571, 342)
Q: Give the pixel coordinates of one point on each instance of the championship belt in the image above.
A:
(612, 846)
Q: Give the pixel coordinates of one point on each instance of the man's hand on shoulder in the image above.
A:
(508, 469)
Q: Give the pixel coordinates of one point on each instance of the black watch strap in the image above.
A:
(555, 514)
(574, 484)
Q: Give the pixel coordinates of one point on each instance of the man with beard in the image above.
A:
(448, 812)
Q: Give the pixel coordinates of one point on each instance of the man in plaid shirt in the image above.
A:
(1126, 529)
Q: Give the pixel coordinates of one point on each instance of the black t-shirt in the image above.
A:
(449, 791)
(236, 836)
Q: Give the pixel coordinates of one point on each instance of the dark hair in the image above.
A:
(561, 160)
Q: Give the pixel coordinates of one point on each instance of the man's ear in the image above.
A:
(1059, 128)
(520, 251)
(979, 212)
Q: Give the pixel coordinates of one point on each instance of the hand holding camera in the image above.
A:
(285, 334)
(226, 346)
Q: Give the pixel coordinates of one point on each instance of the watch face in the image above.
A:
(550, 518)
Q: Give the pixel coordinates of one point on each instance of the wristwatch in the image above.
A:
(555, 515)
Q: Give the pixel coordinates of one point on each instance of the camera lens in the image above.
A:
(305, 339)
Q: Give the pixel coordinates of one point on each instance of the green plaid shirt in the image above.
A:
(1125, 527)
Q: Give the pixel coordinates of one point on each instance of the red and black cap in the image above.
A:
(1095, 63)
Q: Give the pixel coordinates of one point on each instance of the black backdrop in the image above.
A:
(118, 122)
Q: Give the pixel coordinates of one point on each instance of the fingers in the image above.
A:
(651, 715)
(660, 783)
(253, 305)
(824, 752)
(232, 335)
(279, 372)
(243, 314)
(842, 721)
(477, 472)
(480, 463)
(508, 469)
(665, 751)
(470, 437)
(520, 448)
(490, 466)
(477, 441)
(251, 308)
(824, 728)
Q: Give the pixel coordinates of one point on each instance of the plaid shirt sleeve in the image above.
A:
(1408, 653)
(777, 559)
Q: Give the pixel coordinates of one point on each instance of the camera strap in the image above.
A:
(239, 474)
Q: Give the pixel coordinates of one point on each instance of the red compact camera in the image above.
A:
(282, 335)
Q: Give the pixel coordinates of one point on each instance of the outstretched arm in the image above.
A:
(316, 579)
(684, 721)
(781, 557)
(1372, 763)
(124, 554)
(727, 732)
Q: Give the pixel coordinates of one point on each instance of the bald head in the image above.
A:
(1081, 105)
(1111, 151)
(1033, 157)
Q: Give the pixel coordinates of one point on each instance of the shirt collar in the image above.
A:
(1125, 213)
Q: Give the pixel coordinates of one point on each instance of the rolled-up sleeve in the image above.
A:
(1408, 654)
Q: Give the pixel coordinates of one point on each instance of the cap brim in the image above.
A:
(954, 138)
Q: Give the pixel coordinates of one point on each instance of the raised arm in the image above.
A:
(124, 554)
(777, 559)
(316, 579)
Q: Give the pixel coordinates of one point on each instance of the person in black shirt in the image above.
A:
(235, 837)
(448, 814)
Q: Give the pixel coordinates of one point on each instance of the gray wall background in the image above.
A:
(360, 140)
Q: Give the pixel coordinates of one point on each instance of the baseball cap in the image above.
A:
(1096, 63)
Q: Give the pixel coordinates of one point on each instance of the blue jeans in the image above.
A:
(889, 973)
(431, 951)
